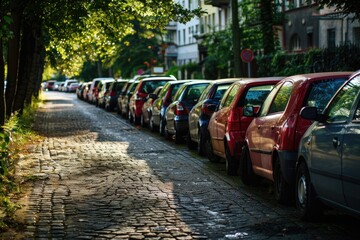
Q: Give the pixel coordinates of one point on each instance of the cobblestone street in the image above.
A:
(98, 177)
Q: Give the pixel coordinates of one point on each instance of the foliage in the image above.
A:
(210, 68)
(343, 58)
(16, 133)
(174, 70)
(347, 6)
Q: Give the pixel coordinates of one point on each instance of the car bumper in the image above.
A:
(181, 125)
(235, 141)
(288, 165)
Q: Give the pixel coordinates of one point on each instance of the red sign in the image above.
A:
(247, 55)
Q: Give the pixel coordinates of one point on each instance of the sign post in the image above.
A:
(247, 56)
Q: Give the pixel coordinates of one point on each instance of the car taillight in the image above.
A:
(234, 120)
(205, 109)
(287, 134)
(180, 110)
(112, 94)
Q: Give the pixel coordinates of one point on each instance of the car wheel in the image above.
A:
(245, 167)
(209, 152)
(281, 187)
(167, 135)
(231, 164)
(130, 117)
(151, 124)
(190, 143)
(306, 203)
(179, 138)
(137, 120)
(201, 144)
(162, 126)
(142, 123)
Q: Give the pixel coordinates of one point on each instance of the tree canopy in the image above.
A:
(346, 6)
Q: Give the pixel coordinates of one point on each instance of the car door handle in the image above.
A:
(336, 142)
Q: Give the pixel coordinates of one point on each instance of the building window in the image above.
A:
(356, 35)
(331, 38)
(184, 36)
(179, 37)
(310, 40)
(295, 43)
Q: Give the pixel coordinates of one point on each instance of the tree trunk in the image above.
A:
(2, 79)
(37, 70)
(13, 55)
(266, 14)
(236, 37)
(26, 62)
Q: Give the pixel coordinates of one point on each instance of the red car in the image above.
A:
(143, 89)
(227, 126)
(272, 138)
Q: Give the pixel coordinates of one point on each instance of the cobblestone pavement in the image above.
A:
(98, 177)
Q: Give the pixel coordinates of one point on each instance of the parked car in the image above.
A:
(91, 94)
(200, 114)
(272, 138)
(114, 92)
(50, 85)
(85, 91)
(102, 89)
(146, 108)
(137, 100)
(177, 113)
(125, 98)
(73, 87)
(57, 85)
(228, 124)
(66, 86)
(158, 108)
(328, 164)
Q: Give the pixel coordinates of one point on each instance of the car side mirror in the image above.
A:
(249, 111)
(311, 113)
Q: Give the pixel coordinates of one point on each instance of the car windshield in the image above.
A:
(255, 96)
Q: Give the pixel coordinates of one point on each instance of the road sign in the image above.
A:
(247, 55)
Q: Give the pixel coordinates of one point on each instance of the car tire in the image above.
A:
(245, 167)
(151, 124)
(162, 126)
(232, 166)
(282, 189)
(142, 122)
(137, 120)
(190, 143)
(209, 152)
(201, 145)
(308, 206)
(130, 117)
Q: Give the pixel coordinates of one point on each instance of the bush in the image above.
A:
(13, 137)
(342, 58)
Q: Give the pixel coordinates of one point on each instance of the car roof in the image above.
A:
(247, 81)
(315, 76)
(197, 81)
(158, 78)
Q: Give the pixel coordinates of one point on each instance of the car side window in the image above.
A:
(227, 100)
(357, 113)
(339, 109)
(321, 92)
(256, 95)
(281, 99)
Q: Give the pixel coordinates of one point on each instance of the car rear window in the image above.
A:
(256, 96)
(150, 86)
(321, 92)
(220, 90)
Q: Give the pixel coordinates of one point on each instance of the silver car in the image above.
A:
(328, 166)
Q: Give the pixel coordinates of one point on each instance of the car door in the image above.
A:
(268, 127)
(219, 120)
(332, 151)
(349, 99)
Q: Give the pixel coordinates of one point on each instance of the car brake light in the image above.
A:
(112, 94)
(234, 120)
(180, 109)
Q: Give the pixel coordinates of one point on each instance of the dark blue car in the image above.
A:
(328, 166)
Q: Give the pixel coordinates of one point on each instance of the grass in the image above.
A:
(14, 139)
